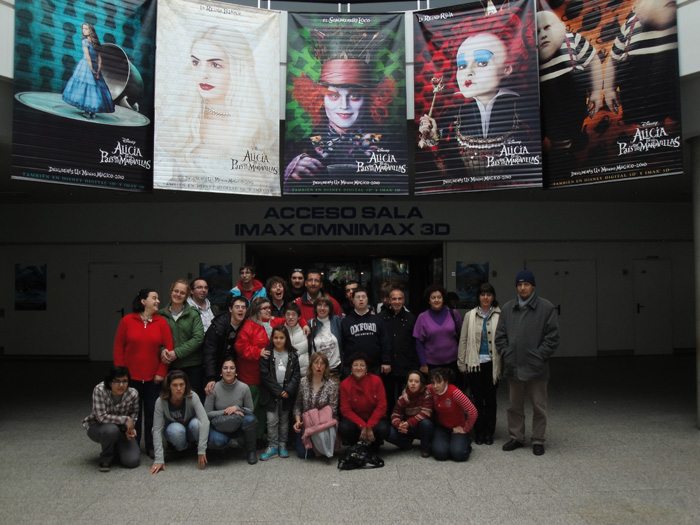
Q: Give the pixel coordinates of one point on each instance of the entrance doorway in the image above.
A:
(412, 267)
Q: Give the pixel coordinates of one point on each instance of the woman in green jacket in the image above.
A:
(188, 335)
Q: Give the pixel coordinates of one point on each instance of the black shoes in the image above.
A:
(105, 466)
(513, 444)
(252, 457)
(538, 449)
(488, 440)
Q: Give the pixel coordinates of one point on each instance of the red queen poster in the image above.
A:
(610, 90)
(476, 98)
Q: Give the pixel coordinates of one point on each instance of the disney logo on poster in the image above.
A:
(125, 153)
(648, 136)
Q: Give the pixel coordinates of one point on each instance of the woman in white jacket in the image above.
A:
(480, 361)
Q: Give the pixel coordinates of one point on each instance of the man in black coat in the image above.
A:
(399, 323)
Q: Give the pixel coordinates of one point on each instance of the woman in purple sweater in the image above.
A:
(437, 332)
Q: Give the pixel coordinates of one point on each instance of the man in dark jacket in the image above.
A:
(220, 338)
(365, 332)
(526, 336)
(399, 323)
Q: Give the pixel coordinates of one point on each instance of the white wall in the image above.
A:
(614, 284)
(63, 328)
(68, 238)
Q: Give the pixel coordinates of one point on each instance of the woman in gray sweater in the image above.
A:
(230, 411)
(180, 411)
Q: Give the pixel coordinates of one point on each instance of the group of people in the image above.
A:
(335, 375)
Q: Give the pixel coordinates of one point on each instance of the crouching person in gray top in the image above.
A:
(180, 409)
(230, 411)
(526, 336)
(115, 408)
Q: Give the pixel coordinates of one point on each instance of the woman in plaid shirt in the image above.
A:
(115, 408)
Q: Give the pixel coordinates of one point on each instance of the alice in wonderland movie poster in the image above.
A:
(610, 90)
(476, 98)
(345, 128)
(217, 98)
(83, 105)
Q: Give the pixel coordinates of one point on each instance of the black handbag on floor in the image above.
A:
(360, 455)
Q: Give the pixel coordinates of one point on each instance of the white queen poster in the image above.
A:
(217, 98)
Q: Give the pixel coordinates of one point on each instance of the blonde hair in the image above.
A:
(243, 99)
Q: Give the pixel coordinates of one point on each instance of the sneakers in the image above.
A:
(512, 445)
(269, 453)
(283, 451)
(105, 466)
(538, 449)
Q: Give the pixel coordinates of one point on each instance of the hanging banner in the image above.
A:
(217, 98)
(610, 91)
(346, 105)
(476, 98)
(83, 107)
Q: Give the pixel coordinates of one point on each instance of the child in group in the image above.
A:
(411, 416)
(279, 382)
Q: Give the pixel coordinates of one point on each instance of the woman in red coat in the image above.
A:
(140, 338)
(362, 405)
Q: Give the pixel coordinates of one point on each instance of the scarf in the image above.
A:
(475, 326)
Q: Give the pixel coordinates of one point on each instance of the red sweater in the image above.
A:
(412, 408)
(450, 408)
(363, 402)
(251, 340)
(138, 347)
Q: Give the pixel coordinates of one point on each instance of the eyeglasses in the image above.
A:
(120, 381)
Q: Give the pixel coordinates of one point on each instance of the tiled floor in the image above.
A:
(623, 447)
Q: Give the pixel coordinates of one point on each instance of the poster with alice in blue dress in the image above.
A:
(83, 105)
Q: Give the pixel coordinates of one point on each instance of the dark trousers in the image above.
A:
(350, 432)
(423, 431)
(393, 386)
(115, 445)
(484, 398)
(196, 375)
(148, 394)
(448, 445)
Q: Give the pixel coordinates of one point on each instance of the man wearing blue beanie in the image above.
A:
(526, 336)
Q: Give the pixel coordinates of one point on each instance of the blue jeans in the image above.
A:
(448, 445)
(247, 430)
(179, 436)
(423, 431)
